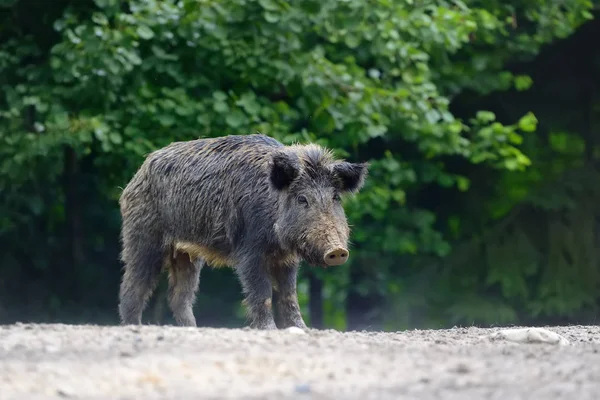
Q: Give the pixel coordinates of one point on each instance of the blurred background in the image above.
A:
(480, 119)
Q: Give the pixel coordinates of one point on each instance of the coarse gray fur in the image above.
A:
(243, 201)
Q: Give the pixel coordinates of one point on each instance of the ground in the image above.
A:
(160, 362)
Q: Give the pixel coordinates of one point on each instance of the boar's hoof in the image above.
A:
(336, 256)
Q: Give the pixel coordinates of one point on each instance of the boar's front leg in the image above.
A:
(258, 292)
(285, 297)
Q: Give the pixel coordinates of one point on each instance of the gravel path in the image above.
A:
(154, 362)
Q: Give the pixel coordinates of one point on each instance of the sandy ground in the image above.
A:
(153, 362)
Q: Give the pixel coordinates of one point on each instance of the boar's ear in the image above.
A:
(351, 176)
(284, 169)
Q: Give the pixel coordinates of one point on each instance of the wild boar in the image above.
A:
(246, 201)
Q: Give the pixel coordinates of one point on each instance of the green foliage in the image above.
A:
(112, 81)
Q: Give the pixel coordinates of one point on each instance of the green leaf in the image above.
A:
(528, 123)
(250, 105)
(485, 116)
(270, 5)
(376, 130)
(115, 137)
(219, 96)
(462, 183)
(271, 17)
(511, 164)
(352, 41)
(166, 120)
(99, 18)
(220, 107)
(523, 82)
(105, 3)
(235, 118)
(145, 32)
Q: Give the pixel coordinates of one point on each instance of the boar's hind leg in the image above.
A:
(258, 292)
(285, 298)
(142, 271)
(184, 278)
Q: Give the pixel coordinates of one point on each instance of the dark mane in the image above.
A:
(315, 161)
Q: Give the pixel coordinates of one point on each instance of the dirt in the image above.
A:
(162, 362)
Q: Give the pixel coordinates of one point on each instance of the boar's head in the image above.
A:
(310, 218)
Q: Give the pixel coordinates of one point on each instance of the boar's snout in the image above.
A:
(337, 256)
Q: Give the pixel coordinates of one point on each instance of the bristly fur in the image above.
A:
(245, 201)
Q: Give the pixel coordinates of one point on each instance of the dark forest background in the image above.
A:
(481, 120)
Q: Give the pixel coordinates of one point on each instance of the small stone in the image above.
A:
(462, 368)
(295, 330)
(64, 392)
(532, 335)
(302, 388)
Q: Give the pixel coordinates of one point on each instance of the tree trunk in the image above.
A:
(73, 220)
(363, 311)
(315, 301)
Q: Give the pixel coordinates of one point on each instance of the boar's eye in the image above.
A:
(336, 197)
(302, 200)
